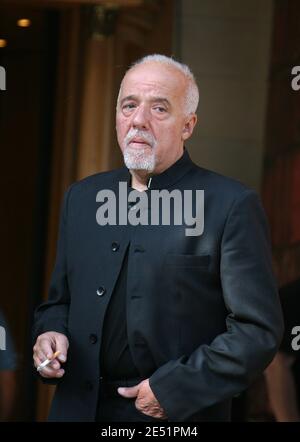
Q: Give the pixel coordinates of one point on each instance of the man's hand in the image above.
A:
(47, 344)
(145, 402)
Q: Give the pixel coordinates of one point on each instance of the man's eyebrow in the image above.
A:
(152, 99)
(160, 100)
(129, 97)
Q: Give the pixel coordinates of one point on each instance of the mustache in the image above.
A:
(137, 133)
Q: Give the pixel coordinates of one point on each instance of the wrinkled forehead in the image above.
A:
(154, 78)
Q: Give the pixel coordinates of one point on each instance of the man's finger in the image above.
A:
(55, 364)
(41, 355)
(129, 392)
(62, 346)
(43, 348)
(62, 357)
(47, 372)
(39, 352)
(37, 361)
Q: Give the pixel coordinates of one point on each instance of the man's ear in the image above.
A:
(188, 127)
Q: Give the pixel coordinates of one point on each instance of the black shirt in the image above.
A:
(116, 362)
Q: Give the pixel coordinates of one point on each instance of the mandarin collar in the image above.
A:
(168, 177)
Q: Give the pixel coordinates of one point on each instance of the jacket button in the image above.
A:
(89, 386)
(115, 246)
(93, 338)
(101, 291)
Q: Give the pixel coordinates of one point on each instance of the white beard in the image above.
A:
(143, 158)
(140, 159)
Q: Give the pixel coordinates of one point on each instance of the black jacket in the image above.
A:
(203, 314)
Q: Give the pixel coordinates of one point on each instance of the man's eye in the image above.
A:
(160, 109)
(128, 106)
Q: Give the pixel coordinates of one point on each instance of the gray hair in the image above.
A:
(192, 91)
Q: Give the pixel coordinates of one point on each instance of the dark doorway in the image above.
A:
(26, 120)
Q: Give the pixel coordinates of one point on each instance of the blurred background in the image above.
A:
(63, 61)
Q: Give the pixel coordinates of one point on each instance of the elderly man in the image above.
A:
(155, 321)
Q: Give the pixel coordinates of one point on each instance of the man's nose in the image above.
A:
(141, 118)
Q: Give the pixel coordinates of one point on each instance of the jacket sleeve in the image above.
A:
(52, 315)
(254, 325)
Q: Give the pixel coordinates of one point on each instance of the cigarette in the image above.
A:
(47, 361)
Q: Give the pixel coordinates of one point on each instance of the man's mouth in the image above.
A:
(139, 141)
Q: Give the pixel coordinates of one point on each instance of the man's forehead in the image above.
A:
(153, 78)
